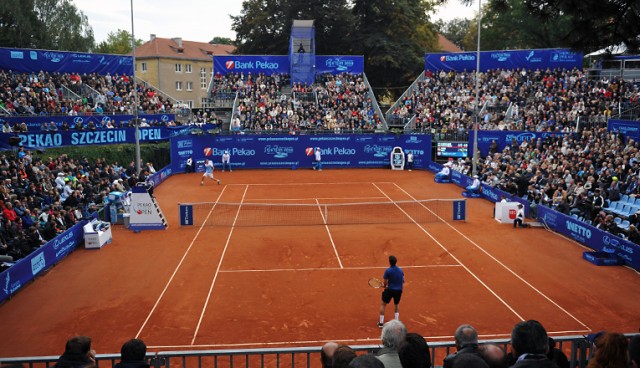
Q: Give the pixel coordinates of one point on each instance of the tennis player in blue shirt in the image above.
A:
(393, 280)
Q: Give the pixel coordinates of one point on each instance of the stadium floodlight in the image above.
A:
(135, 94)
(474, 167)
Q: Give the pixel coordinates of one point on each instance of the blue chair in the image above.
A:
(617, 220)
(624, 225)
(637, 201)
(624, 198)
(614, 207)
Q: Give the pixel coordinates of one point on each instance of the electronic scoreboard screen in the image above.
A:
(452, 149)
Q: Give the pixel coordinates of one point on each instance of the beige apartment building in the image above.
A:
(180, 69)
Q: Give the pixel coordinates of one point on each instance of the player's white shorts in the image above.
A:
(208, 175)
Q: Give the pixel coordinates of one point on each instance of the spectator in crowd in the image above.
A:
(556, 355)
(445, 172)
(133, 355)
(414, 352)
(634, 351)
(470, 361)
(326, 354)
(475, 185)
(466, 339)
(529, 345)
(77, 354)
(611, 351)
(393, 334)
(366, 361)
(342, 356)
(493, 355)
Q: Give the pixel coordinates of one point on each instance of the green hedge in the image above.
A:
(157, 153)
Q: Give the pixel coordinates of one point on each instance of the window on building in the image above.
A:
(144, 67)
(203, 78)
(204, 101)
(189, 86)
(187, 68)
(178, 68)
(190, 104)
(178, 86)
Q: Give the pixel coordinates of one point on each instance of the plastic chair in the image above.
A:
(624, 198)
(624, 225)
(617, 220)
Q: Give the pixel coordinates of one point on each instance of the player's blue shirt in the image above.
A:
(395, 276)
(208, 168)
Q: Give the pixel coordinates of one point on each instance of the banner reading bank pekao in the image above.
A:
(254, 64)
(297, 151)
(507, 59)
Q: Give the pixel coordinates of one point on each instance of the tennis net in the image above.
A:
(289, 214)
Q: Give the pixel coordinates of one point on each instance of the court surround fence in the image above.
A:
(577, 349)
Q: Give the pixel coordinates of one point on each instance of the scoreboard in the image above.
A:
(452, 149)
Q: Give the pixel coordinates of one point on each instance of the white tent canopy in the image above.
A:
(613, 50)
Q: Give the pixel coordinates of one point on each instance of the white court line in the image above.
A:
(375, 340)
(335, 250)
(309, 199)
(178, 266)
(504, 266)
(305, 184)
(215, 276)
(454, 257)
(334, 268)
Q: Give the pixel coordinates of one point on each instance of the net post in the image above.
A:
(326, 214)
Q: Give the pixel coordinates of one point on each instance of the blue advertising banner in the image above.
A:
(628, 128)
(46, 256)
(34, 123)
(34, 61)
(459, 210)
(337, 64)
(590, 236)
(251, 64)
(504, 138)
(43, 139)
(293, 151)
(161, 175)
(508, 59)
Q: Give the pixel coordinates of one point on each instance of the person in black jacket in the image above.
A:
(133, 355)
(77, 354)
(529, 346)
(466, 338)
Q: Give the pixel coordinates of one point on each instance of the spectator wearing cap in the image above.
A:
(60, 181)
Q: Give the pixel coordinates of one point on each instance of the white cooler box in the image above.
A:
(97, 234)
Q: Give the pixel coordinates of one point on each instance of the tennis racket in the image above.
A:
(376, 283)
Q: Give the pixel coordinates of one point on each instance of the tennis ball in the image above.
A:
(309, 151)
(208, 151)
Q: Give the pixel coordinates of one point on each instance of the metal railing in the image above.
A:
(577, 349)
(157, 90)
(374, 100)
(411, 88)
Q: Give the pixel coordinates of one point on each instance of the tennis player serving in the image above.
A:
(393, 280)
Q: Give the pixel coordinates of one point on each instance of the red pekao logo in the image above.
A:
(443, 58)
(229, 64)
(512, 214)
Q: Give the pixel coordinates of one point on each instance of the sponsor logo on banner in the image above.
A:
(278, 151)
(530, 57)
(551, 219)
(364, 139)
(579, 231)
(488, 192)
(413, 139)
(33, 55)
(106, 119)
(185, 143)
(459, 57)
(54, 57)
(17, 55)
(610, 244)
(37, 263)
(245, 65)
(9, 287)
(164, 118)
(512, 214)
(339, 64)
(520, 137)
(378, 151)
(78, 119)
(143, 208)
(60, 241)
(501, 56)
(229, 65)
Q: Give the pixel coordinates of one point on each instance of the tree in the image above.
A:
(19, 24)
(64, 27)
(264, 26)
(393, 36)
(221, 41)
(454, 30)
(118, 42)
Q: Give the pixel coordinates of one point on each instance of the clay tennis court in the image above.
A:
(214, 287)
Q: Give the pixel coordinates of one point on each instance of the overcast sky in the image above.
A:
(193, 20)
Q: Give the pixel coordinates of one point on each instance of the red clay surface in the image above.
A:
(239, 287)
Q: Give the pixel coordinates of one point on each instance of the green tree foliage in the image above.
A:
(19, 24)
(594, 24)
(454, 30)
(393, 36)
(64, 27)
(221, 41)
(118, 42)
(264, 26)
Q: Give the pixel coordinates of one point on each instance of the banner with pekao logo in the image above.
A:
(507, 59)
(254, 64)
(26, 269)
(34, 123)
(337, 64)
(287, 151)
(34, 61)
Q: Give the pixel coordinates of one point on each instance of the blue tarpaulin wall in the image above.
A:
(508, 59)
(33, 61)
